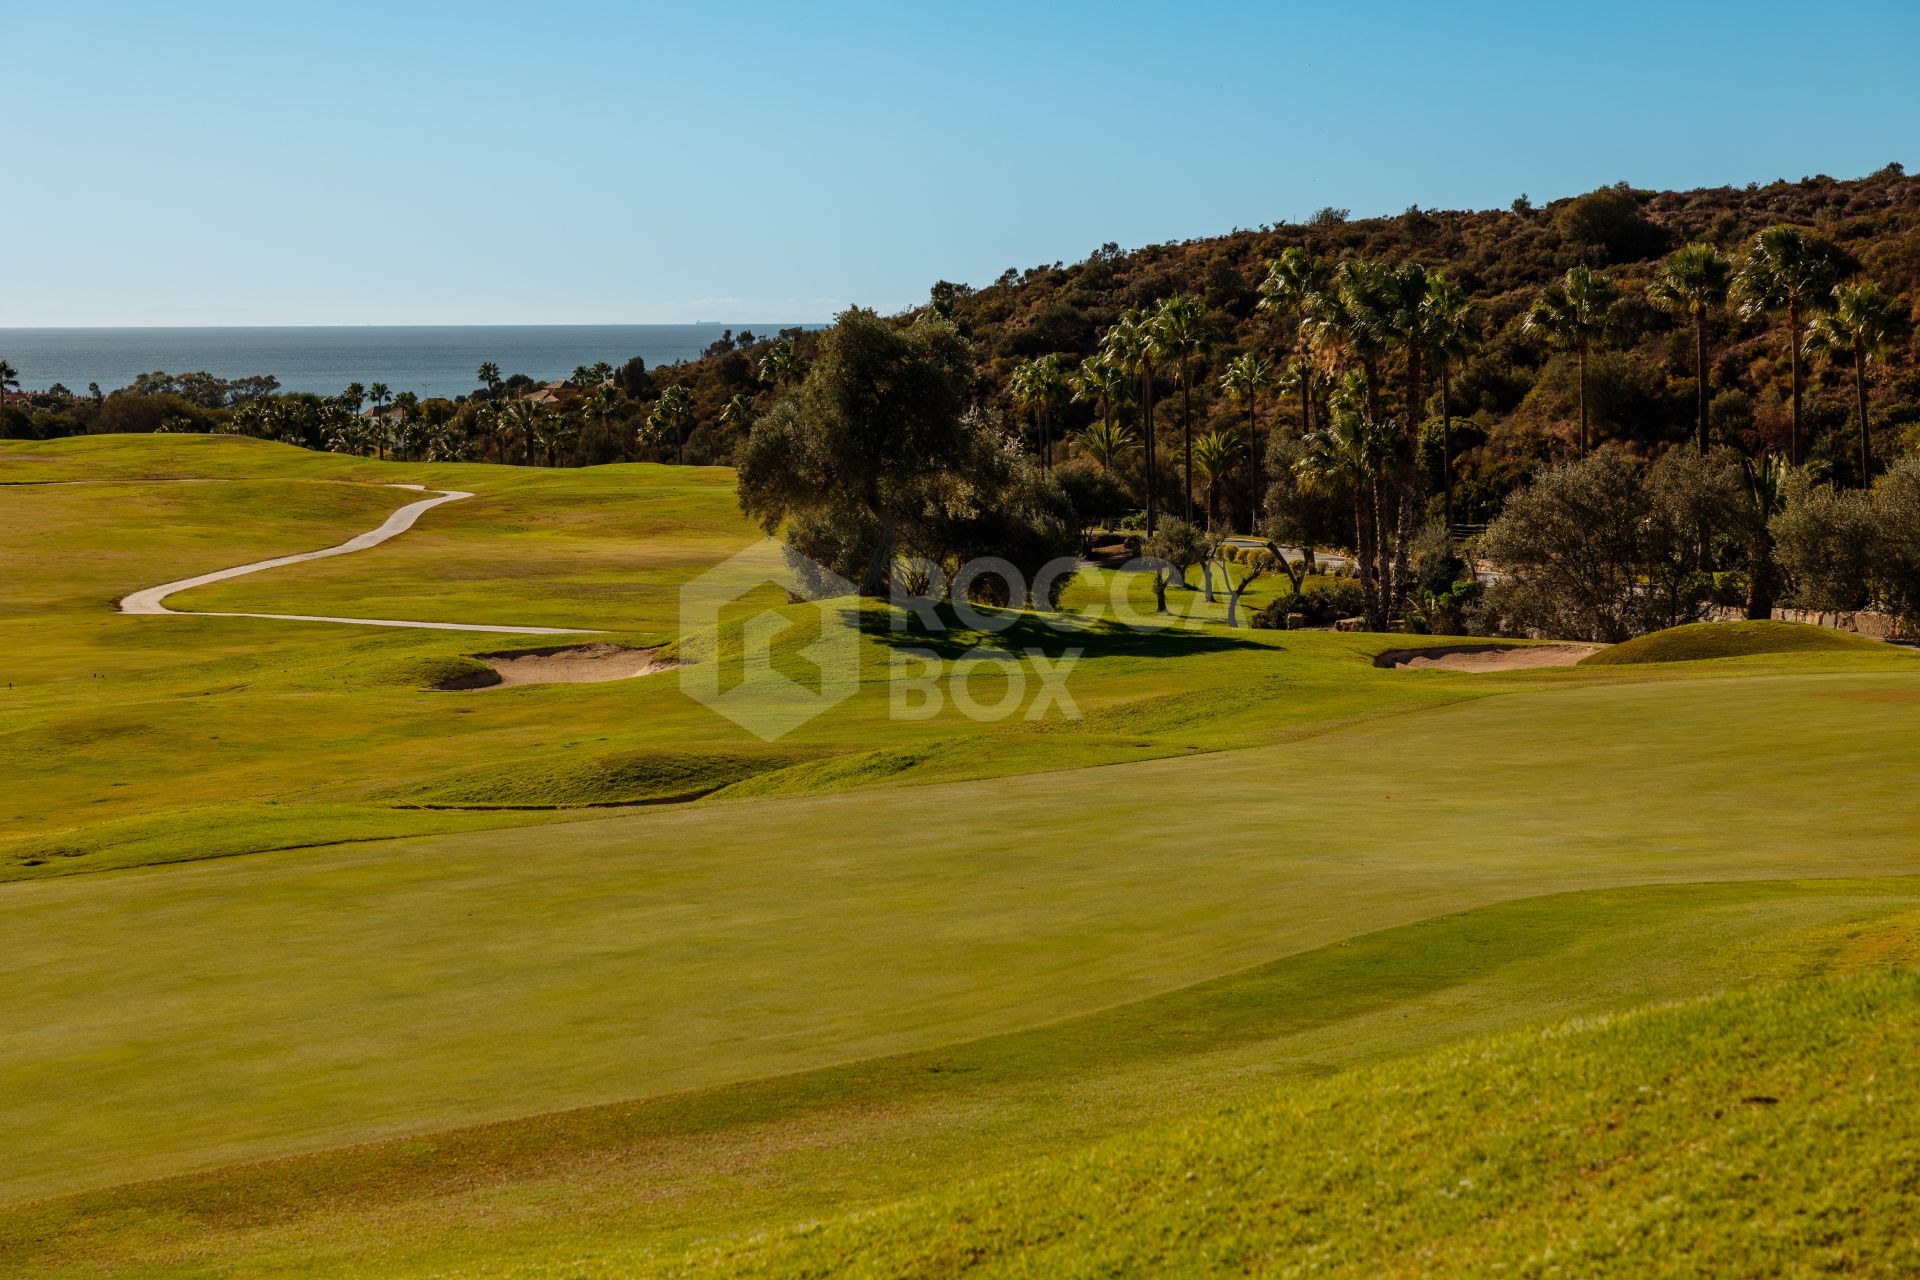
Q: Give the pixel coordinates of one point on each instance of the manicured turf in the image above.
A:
(874, 956)
(1708, 641)
(139, 739)
(1748, 1135)
(339, 994)
(779, 1150)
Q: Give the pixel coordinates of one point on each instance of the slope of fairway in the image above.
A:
(292, 1001)
(1705, 641)
(141, 740)
(646, 1179)
(1760, 1133)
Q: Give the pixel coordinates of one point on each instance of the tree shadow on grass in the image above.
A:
(1052, 634)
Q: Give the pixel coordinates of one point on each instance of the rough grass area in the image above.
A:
(1704, 641)
(1752, 1134)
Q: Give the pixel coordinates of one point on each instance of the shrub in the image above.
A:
(1323, 606)
(1824, 544)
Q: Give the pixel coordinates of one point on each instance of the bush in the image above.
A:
(1824, 544)
(1447, 612)
(1323, 606)
(1897, 567)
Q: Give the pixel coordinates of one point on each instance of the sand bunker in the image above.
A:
(569, 664)
(1488, 657)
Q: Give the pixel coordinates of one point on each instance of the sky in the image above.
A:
(573, 162)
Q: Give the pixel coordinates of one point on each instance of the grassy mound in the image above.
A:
(1753, 1132)
(1701, 641)
(621, 777)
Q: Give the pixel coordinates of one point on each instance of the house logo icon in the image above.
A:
(770, 639)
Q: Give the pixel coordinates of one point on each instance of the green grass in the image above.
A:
(1747, 1135)
(757, 1155)
(140, 739)
(315, 971)
(359, 991)
(1708, 641)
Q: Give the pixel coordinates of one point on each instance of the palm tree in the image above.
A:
(1101, 381)
(603, 404)
(502, 426)
(1789, 271)
(1294, 282)
(1862, 326)
(1695, 280)
(672, 416)
(1350, 320)
(1305, 379)
(402, 435)
(9, 379)
(355, 395)
(1450, 330)
(1130, 345)
(1180, 333)
(1246, 377)
(1573, 315)
(1108, 443)
(489, 376)
(779, 365)
(378, 394)
(739, 413)
(1038, 387)
(1214, 455)
(1764, 494)
(521, 419)
(554, 431)
(1353, 452)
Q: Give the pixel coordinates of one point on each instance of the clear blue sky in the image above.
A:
(581, 162)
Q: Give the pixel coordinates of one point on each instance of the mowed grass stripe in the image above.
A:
(1752, 1134)
(171, 1019)
(643, 1180)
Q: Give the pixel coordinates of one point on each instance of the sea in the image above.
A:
(428, 360)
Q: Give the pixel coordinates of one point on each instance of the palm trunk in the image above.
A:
(1382, 557)
(1866, 436)
(1584, 442)
(1363, 551)
(1306, 392)
(1760, 576)
(1793, 336)
(1253, 467)
(1403, 547)
(1446, 448)
(1186, 434)
(1146, 421)
(1700, 371)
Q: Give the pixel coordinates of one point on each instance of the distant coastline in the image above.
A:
(429, 360)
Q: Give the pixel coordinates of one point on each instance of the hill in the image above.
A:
(1516, 399)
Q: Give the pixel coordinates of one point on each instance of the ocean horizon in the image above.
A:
(428, 360)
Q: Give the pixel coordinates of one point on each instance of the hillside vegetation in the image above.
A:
(1517, 399)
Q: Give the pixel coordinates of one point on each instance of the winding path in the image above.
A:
(151, 600)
